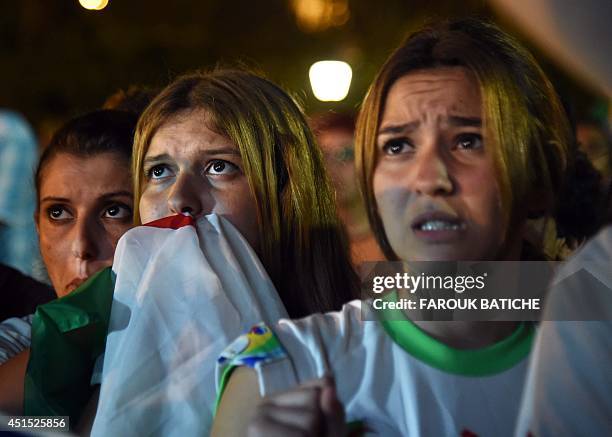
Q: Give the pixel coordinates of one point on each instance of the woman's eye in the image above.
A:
(469, 142)
(117, 212)
(397, 146)
(220, 167)
(57, 212)
(159, 172)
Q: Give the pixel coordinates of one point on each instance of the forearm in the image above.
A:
(12, 378)
(238, 404)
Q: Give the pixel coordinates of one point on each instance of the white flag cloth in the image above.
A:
(183, 292)
(569, 385)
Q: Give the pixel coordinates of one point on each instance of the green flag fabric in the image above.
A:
(68, 335)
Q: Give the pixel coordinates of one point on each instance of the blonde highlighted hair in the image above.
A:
(523, 119)
(302, 244)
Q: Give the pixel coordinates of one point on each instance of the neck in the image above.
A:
(475, 335)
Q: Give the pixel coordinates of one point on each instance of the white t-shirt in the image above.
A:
(390, 375)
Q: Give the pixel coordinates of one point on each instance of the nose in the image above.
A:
(91, 248)
(432, 176)
(84, 245)
(186, 196)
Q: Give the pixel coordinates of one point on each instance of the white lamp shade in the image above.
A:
(330, 80)
(94, 5)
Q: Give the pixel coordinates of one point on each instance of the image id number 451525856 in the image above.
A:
(55, 423)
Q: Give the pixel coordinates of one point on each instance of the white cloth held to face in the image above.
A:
(181, 295)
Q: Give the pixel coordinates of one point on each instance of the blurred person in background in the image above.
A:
(335, 133)
(18, 158)
(581, 211)
(84, 205)
(595, 140)
(20, 293)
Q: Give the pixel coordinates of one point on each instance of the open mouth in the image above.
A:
(438, 222)
(439, 225)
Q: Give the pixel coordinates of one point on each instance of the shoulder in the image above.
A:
(321, 343)
(347, 323)
(17, 324)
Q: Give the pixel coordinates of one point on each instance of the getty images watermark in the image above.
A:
(473, 291)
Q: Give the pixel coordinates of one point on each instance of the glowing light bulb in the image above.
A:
(94, 5)
(330, 80)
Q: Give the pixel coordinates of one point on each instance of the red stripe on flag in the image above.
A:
(172, 222)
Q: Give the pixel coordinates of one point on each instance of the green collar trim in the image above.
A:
(489, 360)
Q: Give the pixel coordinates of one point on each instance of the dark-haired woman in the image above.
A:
(84, 205)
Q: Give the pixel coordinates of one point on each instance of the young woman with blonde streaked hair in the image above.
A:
(291, 221)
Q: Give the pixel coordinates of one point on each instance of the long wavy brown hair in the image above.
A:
(524, 120)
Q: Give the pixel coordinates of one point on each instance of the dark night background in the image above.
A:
(58, 59)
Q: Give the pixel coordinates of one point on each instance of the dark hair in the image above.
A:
(97, 132)
(581, 212)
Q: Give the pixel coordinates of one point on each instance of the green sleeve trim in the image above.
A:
(68, 334)
(489, 360)
(256, 347)
(224, 380)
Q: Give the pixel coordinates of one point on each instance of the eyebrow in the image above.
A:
(54, 199)
(223, 151)
(106, 196)
(454, 120)
(209, 152)
(399, 128)
(122, 193)
(157, 158)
